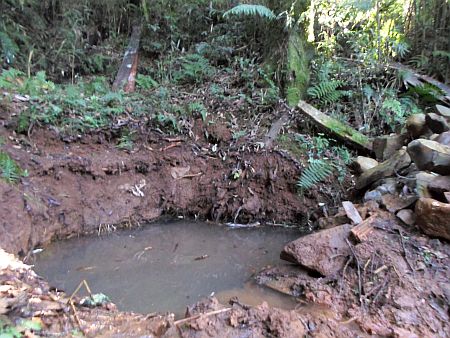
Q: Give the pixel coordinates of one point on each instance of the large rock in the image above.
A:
(388, 168)
(430, 155)
(416, 125)
(363, 164)
(325, 251)
(443, 138)
(439, 185)
(437, 123)
(395, 202)
(433, 217)
(423, 179)
(386, 146)
(443, 111)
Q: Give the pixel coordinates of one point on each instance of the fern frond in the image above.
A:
(251, 10)
(441, 53)
(327, 92)
(317, 171)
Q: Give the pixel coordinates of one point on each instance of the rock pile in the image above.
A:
(412, 178)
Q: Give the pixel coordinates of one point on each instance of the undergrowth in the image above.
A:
(324, 160)
(10, 170)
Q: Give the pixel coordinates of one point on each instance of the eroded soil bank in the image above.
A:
(90, 186)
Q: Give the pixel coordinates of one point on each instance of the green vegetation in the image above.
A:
(317, 171)
(213, 60)
(10, 170)
(9, 330)
(324, 159)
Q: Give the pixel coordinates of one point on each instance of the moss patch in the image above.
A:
(298, 67)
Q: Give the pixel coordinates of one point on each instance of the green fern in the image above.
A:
(441, 53)
(327, 92)
(10, 170)
(251, 10)
(317, 171)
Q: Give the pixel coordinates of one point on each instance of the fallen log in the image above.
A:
(336, 128)
(126, 76)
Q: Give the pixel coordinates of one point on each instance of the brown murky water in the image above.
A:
(167, 266)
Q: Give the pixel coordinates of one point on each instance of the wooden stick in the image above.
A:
(208, 314)
(170, 146)
(82, 283)
(77, 319)
(358, 265)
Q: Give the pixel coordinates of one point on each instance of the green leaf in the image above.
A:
(251, 10)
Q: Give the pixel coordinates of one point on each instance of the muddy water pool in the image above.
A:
(167, 266)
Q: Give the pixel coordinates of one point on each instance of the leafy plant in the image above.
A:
(327, 92)
(146, 82)
(194, 68)
(198, 107)
(10, 170)
(126, 141)
(251, 10)
(9, 48)
(317, 171)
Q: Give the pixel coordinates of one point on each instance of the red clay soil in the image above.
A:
(91, 185)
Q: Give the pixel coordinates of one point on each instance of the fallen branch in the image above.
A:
(405, 255)
(358, 265)
(173, 145)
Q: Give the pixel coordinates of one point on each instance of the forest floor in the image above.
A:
(210, 154)
(90, 186)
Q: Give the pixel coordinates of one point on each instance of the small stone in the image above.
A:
(362, 164)
(351, 212)
(416, 125)
(372, 195)
(430, 155)
(437, 123)
(407, 216)
(388, 186)
(433, 217)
